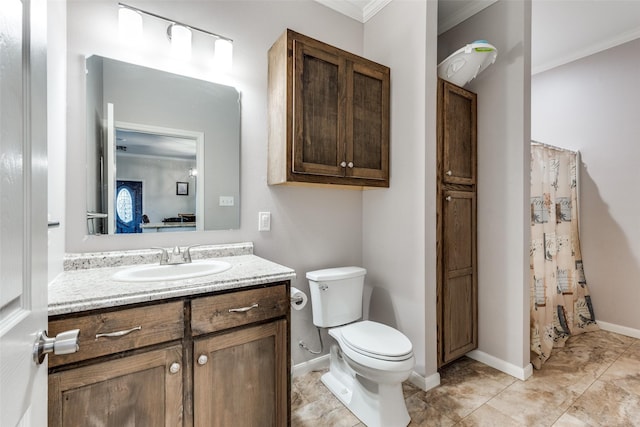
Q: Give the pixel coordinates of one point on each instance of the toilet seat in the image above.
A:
(377, 341)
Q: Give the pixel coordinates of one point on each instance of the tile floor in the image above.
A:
(593, 381)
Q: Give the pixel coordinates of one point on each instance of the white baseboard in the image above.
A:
(316, 364)
(501, 365)
(424, 383)
(622, 330)
(527, 371)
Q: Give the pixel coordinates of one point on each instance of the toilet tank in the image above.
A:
(336, 295)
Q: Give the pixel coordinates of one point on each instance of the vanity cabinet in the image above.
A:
(120, 391)
(328, 115)
(240, 376)
(208, 360)
(457, 288)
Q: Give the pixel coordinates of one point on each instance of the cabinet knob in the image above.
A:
(343, 164)
(350, 164)
(174, 368)
(202, 359)
(449, 173)
(448, 198)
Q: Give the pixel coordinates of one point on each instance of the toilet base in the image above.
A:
(376, 405)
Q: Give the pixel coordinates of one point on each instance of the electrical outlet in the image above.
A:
(264, 221)
(226, 201)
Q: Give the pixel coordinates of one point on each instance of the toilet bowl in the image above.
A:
(369, 360)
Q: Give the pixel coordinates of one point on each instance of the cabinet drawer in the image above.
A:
(219, 312)
(112, 332)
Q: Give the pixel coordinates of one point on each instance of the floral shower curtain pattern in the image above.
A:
(560, 301)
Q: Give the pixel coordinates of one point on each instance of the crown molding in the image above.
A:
(373, 7)
(588, 51)
(358, 10)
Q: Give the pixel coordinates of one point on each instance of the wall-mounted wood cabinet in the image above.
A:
(457, 289)
(328, 115)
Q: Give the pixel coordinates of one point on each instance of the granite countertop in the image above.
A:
(87, 284)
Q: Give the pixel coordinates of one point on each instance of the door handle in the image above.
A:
(63, 343)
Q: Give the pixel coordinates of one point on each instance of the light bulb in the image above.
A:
(180, 41)
(223, 57)
(129, 25)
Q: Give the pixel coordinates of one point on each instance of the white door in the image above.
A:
(23, 211)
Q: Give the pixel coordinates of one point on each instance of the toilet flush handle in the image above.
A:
(324, 287)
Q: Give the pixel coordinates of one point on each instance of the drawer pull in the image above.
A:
(243, 309)
(174, 368)
(119, 333)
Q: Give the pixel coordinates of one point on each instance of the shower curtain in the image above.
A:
(560, 301)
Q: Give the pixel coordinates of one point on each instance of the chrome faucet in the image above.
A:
(175, 256)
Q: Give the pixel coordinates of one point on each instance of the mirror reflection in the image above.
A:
(162, 151)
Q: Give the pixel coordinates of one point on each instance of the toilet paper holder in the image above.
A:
(298, 299)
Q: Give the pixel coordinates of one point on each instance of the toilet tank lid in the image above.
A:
(337, 273)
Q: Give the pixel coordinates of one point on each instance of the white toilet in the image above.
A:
(371, 360)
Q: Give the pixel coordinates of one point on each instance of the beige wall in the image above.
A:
(503, 180)
(591, 105)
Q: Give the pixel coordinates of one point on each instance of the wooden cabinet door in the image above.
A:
(240, 378)
(319, 121)
(367, 135)
(458, 127)
(136, 390)
(459, 332)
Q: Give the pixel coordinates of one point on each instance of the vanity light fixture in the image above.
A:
(181, 36)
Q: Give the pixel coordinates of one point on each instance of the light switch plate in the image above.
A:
(226, 201)
(264, 221)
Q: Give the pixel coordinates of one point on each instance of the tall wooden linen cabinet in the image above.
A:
(457, 286)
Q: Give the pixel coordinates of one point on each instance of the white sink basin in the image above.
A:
(150, 273)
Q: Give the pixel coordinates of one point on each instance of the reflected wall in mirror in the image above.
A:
(147, 130)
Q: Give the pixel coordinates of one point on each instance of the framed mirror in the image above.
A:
(163, 151)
